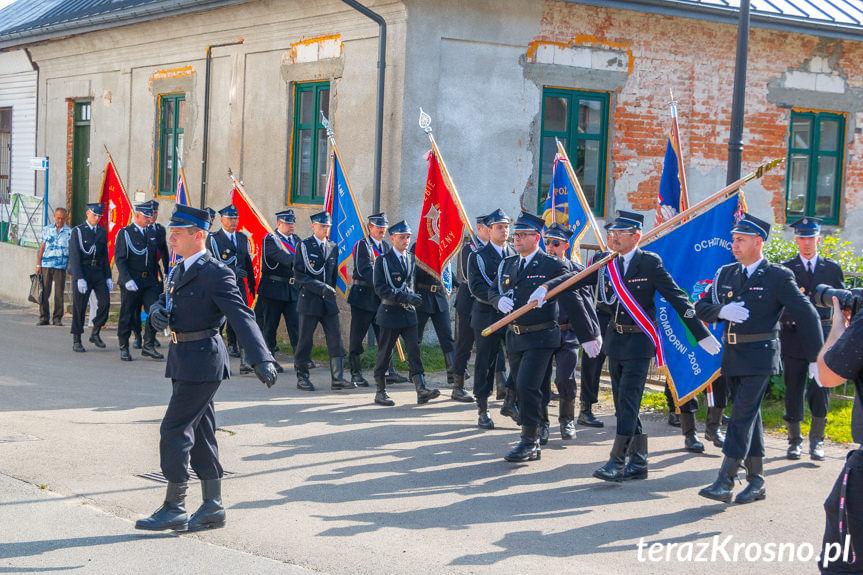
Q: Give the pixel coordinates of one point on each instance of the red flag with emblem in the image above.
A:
(254, 226)
(118, 209)
(441, 229)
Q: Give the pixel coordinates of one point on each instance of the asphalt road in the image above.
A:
(329, 482)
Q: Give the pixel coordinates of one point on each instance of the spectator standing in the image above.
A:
(52, 261)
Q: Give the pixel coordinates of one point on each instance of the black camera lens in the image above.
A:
(851, 300)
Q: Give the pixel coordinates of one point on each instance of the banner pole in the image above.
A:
(581, 199)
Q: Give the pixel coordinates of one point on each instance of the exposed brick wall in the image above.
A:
(696, 60)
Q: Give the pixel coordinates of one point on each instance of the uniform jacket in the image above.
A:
(767, 293)
(88, 253)
(162, 247)
(463, 297)
(204, 296)
(136, 256)
(314, 269)
(433, 301)
(826, 272)
(278, 262)
(482, 277)
(582, 300)
(362, 294)
(394, 283)
(238, 258)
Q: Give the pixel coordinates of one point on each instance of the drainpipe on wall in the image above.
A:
(379, 124)
(735, 141)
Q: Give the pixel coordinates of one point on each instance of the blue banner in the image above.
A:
(669, 184)
(348, 226)
(692, 254)
(564, 204)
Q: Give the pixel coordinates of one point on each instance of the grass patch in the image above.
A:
(432, 356)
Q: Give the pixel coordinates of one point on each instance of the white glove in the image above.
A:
(538, 296)
(710, 344)
(505, 304)
(813, 373)
(82, 286)
(110, 283)
(593, 347)
(131, 285)
(735, 312)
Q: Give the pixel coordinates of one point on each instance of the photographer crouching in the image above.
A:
(841, 359)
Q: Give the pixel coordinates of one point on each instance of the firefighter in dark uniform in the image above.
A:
(164, 252)
(435, 307)
(464, 334)
(750, 297)
(232, 248)
(315, 269)
(277, 290)
(532, 339)
(809, 270)
(591, 367)
(556, 238)
(482, 275)
(201, 292)
(628, 348)
(394, 275)
(91, 272)
(137, 261)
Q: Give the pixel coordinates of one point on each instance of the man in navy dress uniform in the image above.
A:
(809, 270)
(201, 293)
(394, 276)
(464, 334)
(91, 272)
(315, 269)
(750, 297)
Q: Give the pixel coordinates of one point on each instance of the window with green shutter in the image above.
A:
(172, 117)
(579, 119)
(308, 161)
(815, 160)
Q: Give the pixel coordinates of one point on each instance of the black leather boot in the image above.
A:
(137, 343)
(637, 466)
(528, 448)
(211, 513)
(816, 438)
(95, 339)
(337, 372)
(795, 440)
(303, 381)
(713, 431)
(484, 421)
(149, 350)
(76, 343)
(393, 376)
(500, 384)
(357, 370)
(720, 490)
(382, 397)
(690, 435)
(124, 352)
(172, 513)
(754, 490)
(613, 470)
(673, 419)
(244, 367)
(458, 392)
(509, 408)
(545, 427)
(566, 417)
(586, 417)
(423, 395)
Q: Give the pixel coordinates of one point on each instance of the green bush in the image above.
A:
(778, 250)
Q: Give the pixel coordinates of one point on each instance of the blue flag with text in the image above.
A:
(348, 226)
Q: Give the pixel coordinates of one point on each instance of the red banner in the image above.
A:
(251, 224)
(441, 230)
(118, 208)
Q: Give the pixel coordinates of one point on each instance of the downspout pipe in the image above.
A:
(379, 123)
(738, 99)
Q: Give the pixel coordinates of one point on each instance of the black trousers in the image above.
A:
(361, 321)
(591, 369)
(79, 305)
(798, 388)
(720, 392)
(745, 434)
(56, 278)
(627, 385)
(566, 358)
(188, 433)
(387, 343)
(332, 333)
(442, 328)
(524, 367)
(229, 331)
(463, 342)
(487, 350)
(269, 312)
(130, 312)
(690, 406)
(851, 518)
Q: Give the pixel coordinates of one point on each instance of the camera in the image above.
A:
(851, 300)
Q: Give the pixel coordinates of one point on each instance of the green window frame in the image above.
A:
(815, 164)
(579, 119)
(308, 159)
(172, 117)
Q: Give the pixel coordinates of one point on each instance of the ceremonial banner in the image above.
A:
(255, 227)
(671, 201)
(692, 254)
(565, 204)
(118, 208)
(441, 229)
(182, 198)
(348, 228)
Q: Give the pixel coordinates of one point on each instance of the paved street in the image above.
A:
(328, 482)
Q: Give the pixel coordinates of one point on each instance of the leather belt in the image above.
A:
(523, 329)
(289, 281)
(735, 338)
(396, 304)
(183, 336)
(142, 274)
(93, 263)
(360, 282)
(621, 329)
(565, 326)
(433, 288)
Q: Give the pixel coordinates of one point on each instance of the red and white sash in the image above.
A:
(291, 249)
(634, 310)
